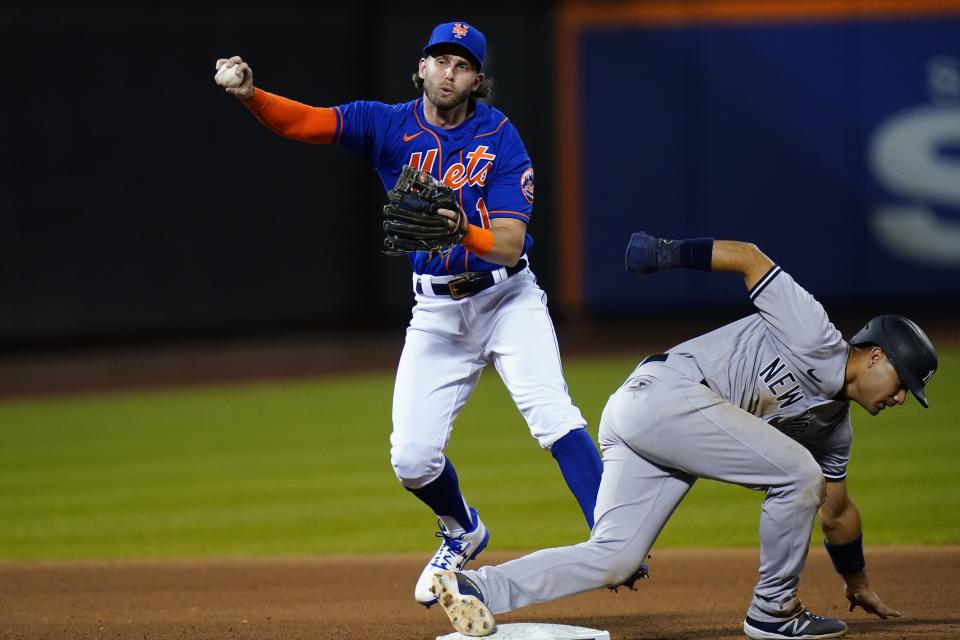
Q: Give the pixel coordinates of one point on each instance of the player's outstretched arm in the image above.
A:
(283, 116)
(744, 258)
(646, 255)
(843, 538)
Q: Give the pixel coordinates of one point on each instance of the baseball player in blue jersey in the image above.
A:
(476, 304)
(762, 402)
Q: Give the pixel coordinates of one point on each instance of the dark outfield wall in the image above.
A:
(136, 200)
(828, 133)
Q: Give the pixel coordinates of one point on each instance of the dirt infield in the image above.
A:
(692, 594)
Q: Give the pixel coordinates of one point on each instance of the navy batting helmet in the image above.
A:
(907, 348)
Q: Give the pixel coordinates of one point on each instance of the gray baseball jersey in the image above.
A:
(752, 403)
(785, 365)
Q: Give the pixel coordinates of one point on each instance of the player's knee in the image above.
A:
(416, 465)
(618, 567)
(810, 486)
(615, 559)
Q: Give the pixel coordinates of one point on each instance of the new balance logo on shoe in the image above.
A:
(806, 626)
(797, 627)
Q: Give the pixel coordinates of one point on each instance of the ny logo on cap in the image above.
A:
(460, 30)
(927, 377)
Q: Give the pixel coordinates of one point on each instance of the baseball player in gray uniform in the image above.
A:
(763, 402)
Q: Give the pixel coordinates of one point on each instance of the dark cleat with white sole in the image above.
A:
(806, 626)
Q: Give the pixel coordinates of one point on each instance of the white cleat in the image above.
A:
(463, 603)
(454, 553)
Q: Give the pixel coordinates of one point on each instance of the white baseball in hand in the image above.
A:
(227, 76)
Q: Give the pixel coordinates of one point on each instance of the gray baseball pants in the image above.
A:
(659, 432)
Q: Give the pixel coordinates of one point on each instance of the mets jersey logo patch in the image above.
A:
(460, 30)
(526, 184)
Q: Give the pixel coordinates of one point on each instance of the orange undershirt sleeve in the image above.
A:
(292, 119)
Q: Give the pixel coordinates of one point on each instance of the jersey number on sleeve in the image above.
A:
(484, 215)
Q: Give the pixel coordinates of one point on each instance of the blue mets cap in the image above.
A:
(462, 35)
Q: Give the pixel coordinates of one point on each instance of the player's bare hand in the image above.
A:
(865, 598)
(454, 219)
(244, 91)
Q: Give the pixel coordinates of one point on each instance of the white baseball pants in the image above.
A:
(448, 344)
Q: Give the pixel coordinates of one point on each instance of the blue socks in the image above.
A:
(581, 467)
(579, 463)
(444, 497)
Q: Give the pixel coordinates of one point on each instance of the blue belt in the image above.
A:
(470, 284)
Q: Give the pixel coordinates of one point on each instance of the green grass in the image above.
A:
(303, 468)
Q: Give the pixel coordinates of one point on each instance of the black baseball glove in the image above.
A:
(410, 219)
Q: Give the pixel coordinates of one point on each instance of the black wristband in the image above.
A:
(701, 254)
(847, 558)
(693, 253)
